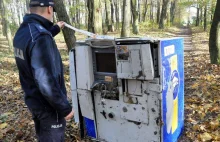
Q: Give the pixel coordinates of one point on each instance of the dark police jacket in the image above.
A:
(40, 66)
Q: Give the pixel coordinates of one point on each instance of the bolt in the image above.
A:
(153, 110)
(111, 115)
(125, 109)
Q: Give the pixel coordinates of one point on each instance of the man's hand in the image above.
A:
(70, 115)
(61, 24)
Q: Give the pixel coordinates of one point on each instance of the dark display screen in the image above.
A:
(105, 62)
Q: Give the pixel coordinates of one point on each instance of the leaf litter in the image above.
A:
(202, 99)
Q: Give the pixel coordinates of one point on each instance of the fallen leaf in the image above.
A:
(3, 125)
(214, 124)
(202, 128)
(10, 131)
(205, 136)
(19, 135)
(195, 86)
(31, 123)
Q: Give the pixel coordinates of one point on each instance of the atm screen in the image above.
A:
(105, 62)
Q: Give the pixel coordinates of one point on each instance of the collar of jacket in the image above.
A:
(34, 18)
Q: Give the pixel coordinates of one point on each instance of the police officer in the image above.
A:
(41, 71)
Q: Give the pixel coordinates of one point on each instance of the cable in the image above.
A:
(92, 35)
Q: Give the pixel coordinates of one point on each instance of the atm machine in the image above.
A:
(128, 89)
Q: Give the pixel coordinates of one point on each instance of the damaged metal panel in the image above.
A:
(73, 86)
(155, 121)
(108, 118)
(113, 128)
(135, 87)
(124, 69)
(148, 107)
(84, 70)
(147, 62)
(135, 63)
(135, 112)
(86, 104)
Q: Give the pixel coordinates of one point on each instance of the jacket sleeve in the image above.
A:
(54, 30)
(44, 71)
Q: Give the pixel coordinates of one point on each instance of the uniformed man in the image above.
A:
(41, 71)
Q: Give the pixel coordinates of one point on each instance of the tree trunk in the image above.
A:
(134, 9)
(163, 14)
(145, 11)
(112, 13)
(212, 10)
(201, 15)
(70, 13)
(116, 2)
(86, 14)
(205, 17)
(139, 11)
(172, 11)
(69, 35)
(6, 27)
(97, 16)
(108, 20)
(20, 13)
(214, 38)
(77, 14)
(197, 16)
(90, 5)
(158, 11)
(125, 31)
(14, 19)
(74, 13)
(151, 11)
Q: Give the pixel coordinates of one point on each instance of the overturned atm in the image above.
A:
(128, 89)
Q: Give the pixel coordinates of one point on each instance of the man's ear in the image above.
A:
(50, 9)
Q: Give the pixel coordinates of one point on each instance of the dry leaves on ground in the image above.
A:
(202, 99)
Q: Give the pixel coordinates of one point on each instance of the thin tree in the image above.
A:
(109, 16)
(95, 16)
(201, 14)
(90, 5)
(77, 16)
(125, 31)
(205, 17)
(214, 38)
(158, 11)
(139, 10)
(172, 11)
(5, 21)
(135, 13)
(197, 15)
(145, 10)
(112, 14)
(152, 11)
(163, 14)
(117, 11)
(69, 35)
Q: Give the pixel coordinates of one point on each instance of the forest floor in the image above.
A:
(202, 90)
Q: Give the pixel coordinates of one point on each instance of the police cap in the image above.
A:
(41, 3)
